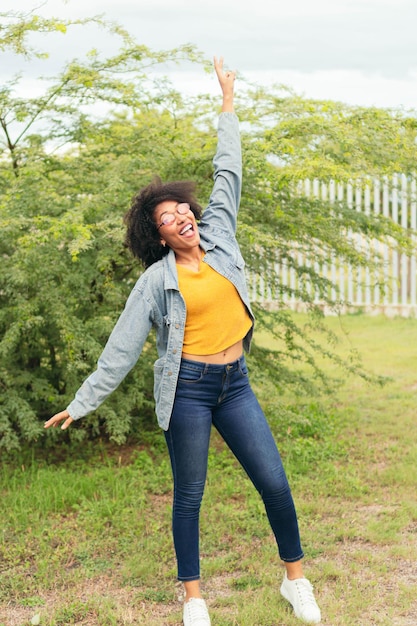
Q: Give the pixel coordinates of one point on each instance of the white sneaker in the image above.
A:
(299, 593)
(196, 613)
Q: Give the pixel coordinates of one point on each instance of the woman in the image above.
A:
(193, 292)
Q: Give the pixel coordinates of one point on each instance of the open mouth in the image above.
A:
(187, 229)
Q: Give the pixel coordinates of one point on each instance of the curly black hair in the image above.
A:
(142, 237)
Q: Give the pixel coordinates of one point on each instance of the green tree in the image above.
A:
(64, 188)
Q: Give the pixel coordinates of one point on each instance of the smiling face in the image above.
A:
(182, 235)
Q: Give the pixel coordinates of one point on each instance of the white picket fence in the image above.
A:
(391, 287)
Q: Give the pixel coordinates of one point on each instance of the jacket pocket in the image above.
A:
(158, 372)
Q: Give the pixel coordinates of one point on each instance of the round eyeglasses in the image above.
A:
(168, 217)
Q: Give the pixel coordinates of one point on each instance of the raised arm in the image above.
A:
(223, 205)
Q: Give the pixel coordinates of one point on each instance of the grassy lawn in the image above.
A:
(86, 540)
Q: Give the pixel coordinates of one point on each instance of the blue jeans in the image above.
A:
(221, 395)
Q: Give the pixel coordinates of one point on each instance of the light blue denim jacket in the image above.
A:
(156, 302)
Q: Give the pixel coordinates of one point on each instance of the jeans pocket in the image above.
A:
(243, 369)
(190, 375)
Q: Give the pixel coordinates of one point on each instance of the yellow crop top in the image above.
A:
(216, 315)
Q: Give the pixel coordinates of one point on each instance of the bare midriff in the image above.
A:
(228, 355)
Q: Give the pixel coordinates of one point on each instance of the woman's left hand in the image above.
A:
(226, 79)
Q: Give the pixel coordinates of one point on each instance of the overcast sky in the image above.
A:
(358, 51)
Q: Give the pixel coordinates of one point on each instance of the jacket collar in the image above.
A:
(170, 271)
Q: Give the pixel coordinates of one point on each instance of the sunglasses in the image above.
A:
(169, 217)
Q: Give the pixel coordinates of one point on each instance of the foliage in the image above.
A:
(67, 174)
(332, 140)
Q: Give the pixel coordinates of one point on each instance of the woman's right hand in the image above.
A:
(58, 418)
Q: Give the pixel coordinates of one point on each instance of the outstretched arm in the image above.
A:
(223, 205)
(119, 355)
(227, 82)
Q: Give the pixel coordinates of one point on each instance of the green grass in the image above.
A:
(86, 540)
